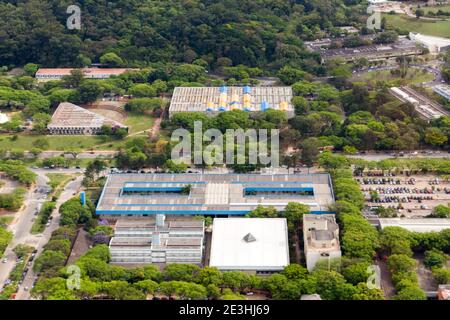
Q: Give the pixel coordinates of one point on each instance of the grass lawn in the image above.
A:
(6, 220)
(57, 179)
(138, 122)
(413, 76)
(407, 24)
(27, 142)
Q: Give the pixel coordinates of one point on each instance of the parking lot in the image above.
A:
(411, 196)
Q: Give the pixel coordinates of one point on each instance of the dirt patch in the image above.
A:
(111, 114)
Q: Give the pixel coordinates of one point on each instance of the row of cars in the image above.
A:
(26, 267)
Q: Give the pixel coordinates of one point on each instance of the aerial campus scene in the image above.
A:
(224, 150)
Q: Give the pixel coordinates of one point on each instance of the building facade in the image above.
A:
(157, 241)
(130, 194)
(321, 239)
(213, 100)
(70, 119)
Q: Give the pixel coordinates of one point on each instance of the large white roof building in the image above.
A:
(257, 245)
(434, 44)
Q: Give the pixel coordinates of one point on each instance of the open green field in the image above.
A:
(27, 142)
(59, 179)
(407, 24)
(136, 122)
(413, 76)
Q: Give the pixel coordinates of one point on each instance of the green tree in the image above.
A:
(111, 60)
(435, 258)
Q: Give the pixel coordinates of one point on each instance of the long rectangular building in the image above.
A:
(213, 100)
(374, 52)
(211, 194)
(47, 74)
(147, 240)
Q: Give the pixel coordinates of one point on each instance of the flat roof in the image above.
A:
(268, 251)
(202, 99)
(69, 115)
(416, 225)
(217, 194)
(430, 40)
(401, 46)
(86, 71)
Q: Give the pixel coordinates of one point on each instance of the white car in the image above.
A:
(5, 260)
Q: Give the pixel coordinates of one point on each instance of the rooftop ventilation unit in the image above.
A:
(160, 220)
(249, 238)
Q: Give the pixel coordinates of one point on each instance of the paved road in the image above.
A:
(21, 226)
(68, 192)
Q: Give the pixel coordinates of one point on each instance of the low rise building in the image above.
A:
(442, 90)
(443, 292)
(47, 74)
(321, 238)
(254, 245)
(213, 100)
(416, 225)
(434, 44)
(211, 194)
(70, 119)
(375, 52)
(147, 240)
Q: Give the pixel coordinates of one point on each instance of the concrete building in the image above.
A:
(144, 241)
(426, 108)
(442, 90)
(374, 52)
(70, 119)
(3, 118)
(416, 225)
(47, 74)
(321, 238)
(443, 292)
(213, 100)
(432, 43)
(254, 245)
(211, 194)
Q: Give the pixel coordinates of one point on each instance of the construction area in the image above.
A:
(216, 99)
(426, 108)
(70, 119)
(211, 194)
